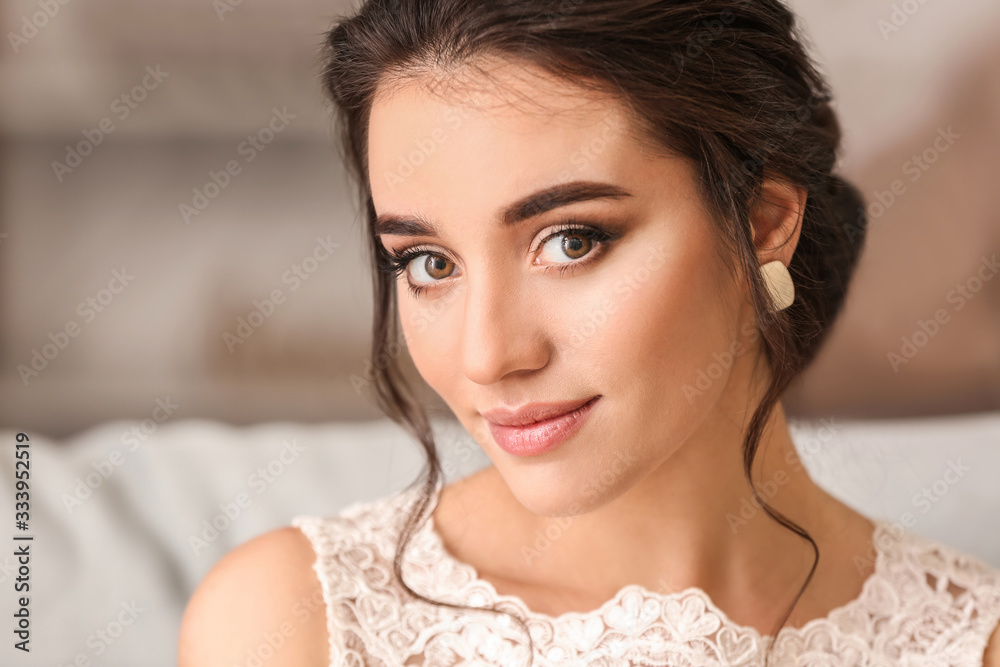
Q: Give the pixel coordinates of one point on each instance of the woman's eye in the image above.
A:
(428, 268)
(566, 249)
(569, 245)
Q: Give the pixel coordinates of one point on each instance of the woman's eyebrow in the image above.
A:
(523, 209)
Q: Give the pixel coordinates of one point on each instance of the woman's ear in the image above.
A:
(777, 221)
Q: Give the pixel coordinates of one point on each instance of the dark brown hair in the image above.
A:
(727, 84)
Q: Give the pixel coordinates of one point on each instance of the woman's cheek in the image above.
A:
(666, 329)
(430, 338)
(597, 311)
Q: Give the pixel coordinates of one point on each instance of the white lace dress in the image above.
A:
(925, 604)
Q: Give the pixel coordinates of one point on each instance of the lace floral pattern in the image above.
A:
(925, 604)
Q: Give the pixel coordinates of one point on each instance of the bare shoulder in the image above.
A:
(261, 599)
(992, 656)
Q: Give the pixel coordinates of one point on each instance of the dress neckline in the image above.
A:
(631, 597)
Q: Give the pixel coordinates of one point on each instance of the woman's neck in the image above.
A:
(691, 522)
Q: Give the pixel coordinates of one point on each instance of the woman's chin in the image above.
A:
(565, 496)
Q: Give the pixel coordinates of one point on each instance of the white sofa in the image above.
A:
(112, 571)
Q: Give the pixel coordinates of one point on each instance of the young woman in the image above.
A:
(611, 234)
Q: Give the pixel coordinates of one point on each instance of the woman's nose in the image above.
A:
(503, 331)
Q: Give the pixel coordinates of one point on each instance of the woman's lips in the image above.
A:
(541, 436)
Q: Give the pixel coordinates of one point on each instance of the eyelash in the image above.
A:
(396, 261)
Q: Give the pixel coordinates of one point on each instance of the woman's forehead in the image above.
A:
(421, 141)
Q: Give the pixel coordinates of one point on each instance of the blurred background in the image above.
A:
(902, 81)
(165, 167)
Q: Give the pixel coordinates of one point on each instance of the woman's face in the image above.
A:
(555, 259)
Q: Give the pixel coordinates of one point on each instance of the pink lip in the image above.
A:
(537, 428)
